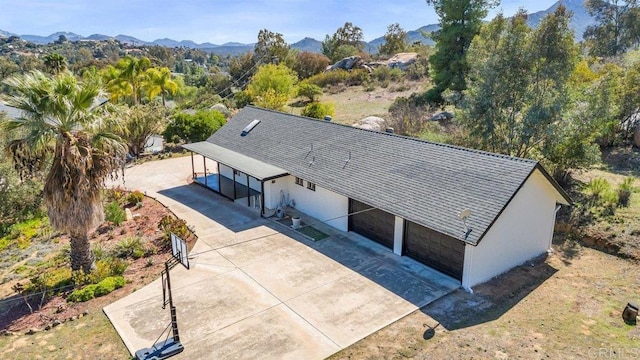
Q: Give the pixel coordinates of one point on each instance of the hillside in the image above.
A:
(581, 19)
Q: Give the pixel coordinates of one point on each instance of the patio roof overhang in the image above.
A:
(250, 166)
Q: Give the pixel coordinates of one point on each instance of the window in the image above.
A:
(311, 186)
(299, 181)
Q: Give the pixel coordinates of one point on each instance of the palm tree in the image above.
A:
(159, 83)
(55, 63)
(132, 72)
(62, 133)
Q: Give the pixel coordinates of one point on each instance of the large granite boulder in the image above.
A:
(348, 63)
(636, 136)
(372, 123)
(402, 61)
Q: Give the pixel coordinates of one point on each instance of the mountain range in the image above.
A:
(581, 19)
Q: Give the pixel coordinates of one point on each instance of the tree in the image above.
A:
(272, 86)
(460, 21)
(140, 122)
(61, 133)
(158, 82)
(310, 91)
(518, 82)
(193, 128)
(271, 48)
(127, 77)
(318, 110)
(395, 40)
(616, 26)
(242, 69)
(55, 63)
(308, 64)
(349, 35)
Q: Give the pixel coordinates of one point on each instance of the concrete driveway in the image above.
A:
(257, 289)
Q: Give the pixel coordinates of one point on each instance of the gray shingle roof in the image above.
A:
(423, 182)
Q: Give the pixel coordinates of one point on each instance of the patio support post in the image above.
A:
(204, 163)
(193, 168)
(219, 184)
(262, 198)
(248, 190)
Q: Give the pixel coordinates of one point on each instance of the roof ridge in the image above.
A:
(455, 147)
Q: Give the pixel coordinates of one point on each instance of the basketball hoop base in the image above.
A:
(160, 350)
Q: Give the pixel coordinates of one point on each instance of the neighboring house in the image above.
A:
(470, 214)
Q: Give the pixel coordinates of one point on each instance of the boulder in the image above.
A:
(636, 136)
(223, 109)
(347, 63)
(442, 116)
(372, 123)
(402, 61)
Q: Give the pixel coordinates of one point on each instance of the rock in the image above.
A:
(223, 109)
(636, 136)
(402, 61)
(347, 63)
(129, 214)
(372, 123)
(31, 331)
(56, 322)
(48, 327)
(441, 116)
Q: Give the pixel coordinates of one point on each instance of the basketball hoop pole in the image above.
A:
(172, 309)
(169, 347)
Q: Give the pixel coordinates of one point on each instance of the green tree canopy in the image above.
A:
(193, 128)
(518, 82)
(460, 21)
(271, 48)
(616, 28)
(272, 86)
(395, 40)
(349, 35)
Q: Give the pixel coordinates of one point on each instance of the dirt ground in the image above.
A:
(566, 306)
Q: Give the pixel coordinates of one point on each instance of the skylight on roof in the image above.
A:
(249, 127)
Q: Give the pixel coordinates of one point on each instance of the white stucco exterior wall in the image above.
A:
(522, 232)
(272, 191)
(322, 204)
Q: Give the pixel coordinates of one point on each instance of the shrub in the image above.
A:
(170, 224)
(129, 247)
(81, 295)
(308, 64)
(385, 73)
(597, 187)
(108, 285)
(116, 194)
(192, 128)
(624, 191)
(114, 213)
(333, 77)
(135, 197)
(318, 110)
(109, 267)
(102, 288)
(310, 91)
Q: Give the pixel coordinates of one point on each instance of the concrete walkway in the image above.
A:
(257, 289)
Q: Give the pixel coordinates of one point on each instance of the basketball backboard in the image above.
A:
(179, 250)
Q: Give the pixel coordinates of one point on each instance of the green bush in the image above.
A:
(170, 224)
(598, 187)
(114, 213)
(318, 110)
(108, 285)
(91, 291)
(333, 77)
(624, 191)
(193, 128)
(81, 295)
(386, 74)
(132, 246)
(310, 91)
(109, 267)
(135, 197)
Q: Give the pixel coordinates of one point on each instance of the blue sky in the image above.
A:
(219, 21)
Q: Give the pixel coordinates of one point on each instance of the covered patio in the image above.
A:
(242, 183)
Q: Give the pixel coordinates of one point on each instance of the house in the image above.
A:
(469, 214)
